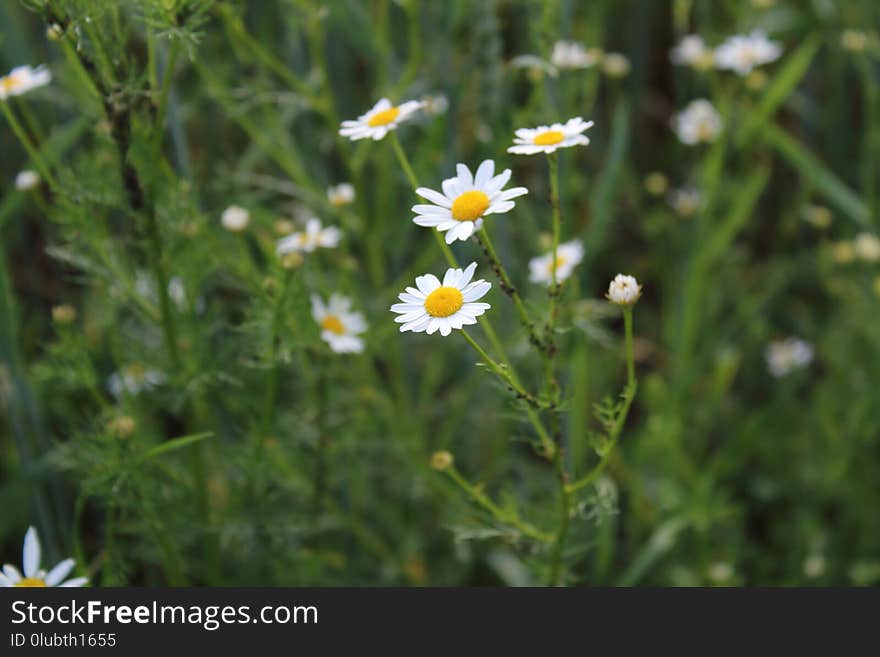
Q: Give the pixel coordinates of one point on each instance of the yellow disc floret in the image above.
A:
(470, 206)
(444, 301)
(549, 137)
(31, 583)
(384, 117)
(10, 82)
(333, 324)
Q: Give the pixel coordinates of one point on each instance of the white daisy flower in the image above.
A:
(35, 577)
(568, 256)
(686, 201)
(22, 79)
(615, 65)
(744, 52)
(315, 236)
(698, 122)
(465, 200)
(573, 55)
(339, 326)
(133, 379)
(433, 306)
(785, 356)
(624, 290)
(26, 180)
(435, 105)
(235, 218)
(341, 194)
(692, 51)
(376, 123)
(546, 139)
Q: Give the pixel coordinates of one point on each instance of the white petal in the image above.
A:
(511, 193)
(464, 175)
(500, 207)
(12, 573)
(425, 209)
(445, 327)
(76, 582)
(31, 553)
(495, 185)
(435, 197)
(476, 291)
(427, 283)
(451, 278)
(484, 173)
(429, 221)
(467, 275)
(59, 572)
(5, 582)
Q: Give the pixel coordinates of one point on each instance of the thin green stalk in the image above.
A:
(554, 288)
(630, 359)
(168, 327)
(508, 288)
(32, 151)
(162, 103)
(564, 519)
(508, 517)
(272, 381)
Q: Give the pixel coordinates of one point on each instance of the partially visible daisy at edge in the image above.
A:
(434, 306)
(568, 256)
(547, 138)
(466, 199)
(698, 122)
(382, 118)
(31, 575)
(339, 326)
(22, 79)
(315, 236)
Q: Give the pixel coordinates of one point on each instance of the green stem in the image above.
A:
(630, 358)
(550, 339)
(501, 515)
(32, 151)
(508, 288)
(161, 275)
(275, 372)
(564, 520)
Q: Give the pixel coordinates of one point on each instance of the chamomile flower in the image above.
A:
(546, 139)
(692, 51)
(698, 122)
(32, 575)
(465, 200)
(235, 218)
(568, 256)
(315, 236)
(26, 180)
(744, 52)
(624, 290)
(376, 123)
(341, 194)
(434, 306)
(22, 79)
(785, 356)
(573, 55)
(339, 326)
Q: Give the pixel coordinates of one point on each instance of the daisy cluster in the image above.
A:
(741, 53)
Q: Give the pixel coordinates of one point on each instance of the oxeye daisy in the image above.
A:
(22, 79)
(315, 236)
(27, 180)
(376, 123)
(692, 51)
(573, 55)
(546, 139)
(434, 306)
(341, 194)
(698, 122)
(568, 255)
(35, 577)
(785, 356)
(339, 326)
(465, 200)
(742, 53)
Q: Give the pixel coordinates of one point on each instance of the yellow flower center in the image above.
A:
(10, 82)
(444, 301)
(559, 262)
(31, 583)
(384, 117)
(333, 324)
(549, 137)
(470, 206)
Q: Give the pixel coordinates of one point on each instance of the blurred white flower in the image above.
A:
(435, 105)
(698, 122)
(720, 572)
(535, 67)
(339, 326)
(546, 139)
(817, 215)
(35, 577)
(134, 379)
(785, 356)
(624, 290)
(26, 180)
(692, 51)
(22, 79)
(615, 65)
(381, 119)
(177, 291)
(744, 52)
(867, 247)
(814, 566)
(573, 55)
(568, 256)
(315, 236)
(854, 40)
(433, 306)
(235, 218)
(341, 194)
(465, 200)
(686, 201)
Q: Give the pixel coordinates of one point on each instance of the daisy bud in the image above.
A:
(441, 460)
(63, 314)
(235, 218)
(624, 291)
